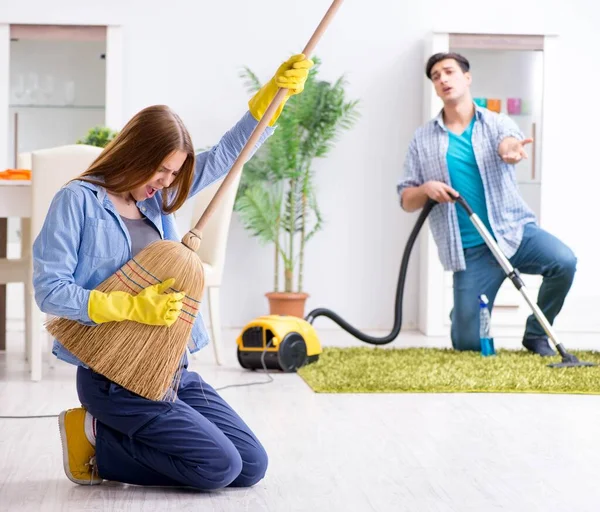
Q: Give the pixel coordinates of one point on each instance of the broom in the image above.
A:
(144, 358)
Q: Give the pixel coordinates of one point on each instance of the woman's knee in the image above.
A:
(219, 469)
(254, 467)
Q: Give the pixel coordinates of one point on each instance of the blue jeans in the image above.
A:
(197, 441)
(540, 253)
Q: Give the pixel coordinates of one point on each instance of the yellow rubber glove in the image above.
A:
(291, 75)
(151, 306)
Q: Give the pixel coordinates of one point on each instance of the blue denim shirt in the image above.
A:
(84, 241)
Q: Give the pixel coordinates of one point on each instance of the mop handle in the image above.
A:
(260, 128)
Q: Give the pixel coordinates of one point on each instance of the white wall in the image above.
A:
(188, 54)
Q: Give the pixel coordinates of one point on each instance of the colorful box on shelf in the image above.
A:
(513, 106)
(525, 107)
(16, 174)
(494, 104)
(489, 103)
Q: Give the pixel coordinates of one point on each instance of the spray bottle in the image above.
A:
(485, 339)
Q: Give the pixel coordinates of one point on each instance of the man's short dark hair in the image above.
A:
(434, 59)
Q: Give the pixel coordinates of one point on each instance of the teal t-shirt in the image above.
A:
(466, 180)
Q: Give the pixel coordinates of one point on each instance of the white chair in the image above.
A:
(50, 170)
(212, 251)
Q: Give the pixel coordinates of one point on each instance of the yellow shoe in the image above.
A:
(79, 458)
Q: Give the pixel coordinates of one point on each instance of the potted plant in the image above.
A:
(276, 200)
(98, 136)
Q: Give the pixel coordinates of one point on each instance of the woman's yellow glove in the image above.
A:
(291, 75)
(151, 306)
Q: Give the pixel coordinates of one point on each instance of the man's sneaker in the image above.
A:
(539, 346)
(79, 458)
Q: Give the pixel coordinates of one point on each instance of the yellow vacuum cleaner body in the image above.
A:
(284, 343)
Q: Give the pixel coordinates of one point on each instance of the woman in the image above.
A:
(95, 224)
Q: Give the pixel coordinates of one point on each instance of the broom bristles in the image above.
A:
(141, 358)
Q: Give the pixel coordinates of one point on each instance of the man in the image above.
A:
(471, 151)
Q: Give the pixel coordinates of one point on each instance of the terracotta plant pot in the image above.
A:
(286, 303)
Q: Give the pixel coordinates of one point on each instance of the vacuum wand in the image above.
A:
(515, 277)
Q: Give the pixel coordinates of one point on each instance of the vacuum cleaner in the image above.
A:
(278, 342)
(288, 343)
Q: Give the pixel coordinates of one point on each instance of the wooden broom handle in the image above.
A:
(260, 128)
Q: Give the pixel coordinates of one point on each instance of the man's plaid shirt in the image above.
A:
(508, 213)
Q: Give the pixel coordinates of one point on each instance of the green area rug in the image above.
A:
(430, 370)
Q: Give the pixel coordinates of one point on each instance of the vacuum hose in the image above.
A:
(399, 291)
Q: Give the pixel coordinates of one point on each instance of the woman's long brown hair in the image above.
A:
(138, 151)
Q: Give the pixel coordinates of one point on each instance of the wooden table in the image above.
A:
(15, 201)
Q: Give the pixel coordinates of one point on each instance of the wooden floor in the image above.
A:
(331, 452)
